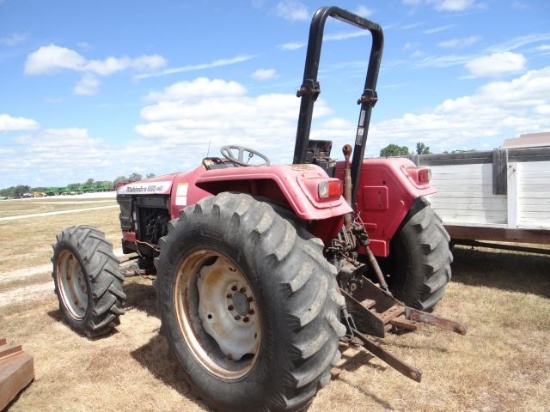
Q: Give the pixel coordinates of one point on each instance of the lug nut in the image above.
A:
(229, 296)
(234, 288)
(237, 317)
(245, 319)
(230, 307)
(251, 312)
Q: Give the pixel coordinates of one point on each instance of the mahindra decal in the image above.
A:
(145, 188)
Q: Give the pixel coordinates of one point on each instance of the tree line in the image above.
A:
(396, 150)
(88, 186)
(421, 149)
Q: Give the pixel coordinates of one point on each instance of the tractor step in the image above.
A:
(16, 372)
(371, 311)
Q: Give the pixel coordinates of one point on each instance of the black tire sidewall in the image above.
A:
(251, 388)
(99, 267)
(412, 263)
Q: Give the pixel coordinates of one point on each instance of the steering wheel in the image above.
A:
(227, 152)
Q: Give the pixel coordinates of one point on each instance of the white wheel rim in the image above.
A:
(217, 314)
(71, 282)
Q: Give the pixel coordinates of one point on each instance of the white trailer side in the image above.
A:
(499, 195)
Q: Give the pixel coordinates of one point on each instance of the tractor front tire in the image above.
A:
(249, 305)
(87, 280)
(420, 258)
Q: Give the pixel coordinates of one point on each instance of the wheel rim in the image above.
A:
(71, 282)
(217, 315)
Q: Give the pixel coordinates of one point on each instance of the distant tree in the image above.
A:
(394, 150)
(89, 182)
(120, 179)
(134, 177)
(15, 191)
(74, 187)
(103, 186)
(21, 190)
(421, 149)
(150, 175)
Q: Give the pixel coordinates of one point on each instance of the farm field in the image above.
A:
(502, 363)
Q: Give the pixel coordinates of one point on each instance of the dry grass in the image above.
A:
(502, 363)
(27, 242)
(49, 204)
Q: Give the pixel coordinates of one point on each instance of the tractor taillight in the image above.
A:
(420, 176)
(424, 175)
(330, 188)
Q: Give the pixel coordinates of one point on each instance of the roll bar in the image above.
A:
(310, 89)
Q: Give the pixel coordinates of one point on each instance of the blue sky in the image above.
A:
(98, 89)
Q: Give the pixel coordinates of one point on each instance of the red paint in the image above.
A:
(387, 189)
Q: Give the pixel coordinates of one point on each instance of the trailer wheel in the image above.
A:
(420, 258)
(87, 281)
(249, 305)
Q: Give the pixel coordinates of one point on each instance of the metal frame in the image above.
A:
(310, 88)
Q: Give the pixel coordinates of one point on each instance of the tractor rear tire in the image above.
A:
(420, 258)
(249, 305)
(87, 280)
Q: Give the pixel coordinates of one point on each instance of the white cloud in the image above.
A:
(266, 122)
(327, 37)
(346, 35)
(202, 66)
(264, 74)
(9, 123)
(444, 5)
(458, 43)
(453, 5)
(84, 45)
(437, 29)
(543, 109)
(292, 46)
(292, 10)
(187, 119)
(88, 85)
(35, 159)
(448, 60)
(13, 40)
(519, 41)
(200, 88)
(496, 64)
(363, 11)
(52, 58)
(503, 108)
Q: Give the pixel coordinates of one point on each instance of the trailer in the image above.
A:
(498, 195)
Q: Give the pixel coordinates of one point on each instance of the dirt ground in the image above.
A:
(502, 363)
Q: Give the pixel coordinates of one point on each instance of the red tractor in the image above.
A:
(262, 270)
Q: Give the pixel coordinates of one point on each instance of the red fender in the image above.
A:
(387, 189)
